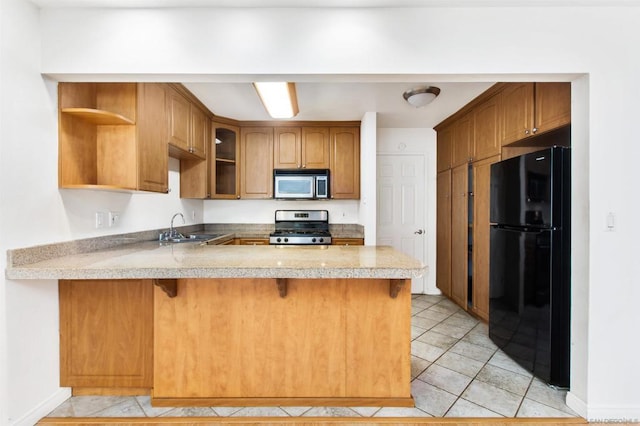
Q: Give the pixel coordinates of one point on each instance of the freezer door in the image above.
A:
(528, 312)
(521, 190)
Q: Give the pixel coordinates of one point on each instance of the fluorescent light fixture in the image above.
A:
(278, 98)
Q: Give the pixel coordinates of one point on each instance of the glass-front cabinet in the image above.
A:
(224, 171)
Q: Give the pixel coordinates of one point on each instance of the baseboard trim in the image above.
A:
(614, 414)
(576, 404)
(34, 415)
(280, 402)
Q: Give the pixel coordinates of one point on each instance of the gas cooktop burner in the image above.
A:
(301, 227)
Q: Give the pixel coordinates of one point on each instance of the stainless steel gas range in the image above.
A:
(301, 227)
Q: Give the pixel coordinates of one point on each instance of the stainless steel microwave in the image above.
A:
(312, 184)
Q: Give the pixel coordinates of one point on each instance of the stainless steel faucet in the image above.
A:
(172, 234)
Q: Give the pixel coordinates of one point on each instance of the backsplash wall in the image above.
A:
(262, 211)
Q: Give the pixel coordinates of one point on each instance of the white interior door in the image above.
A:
(401, 209)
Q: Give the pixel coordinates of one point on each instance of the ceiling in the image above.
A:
(329, 3)
(327, 97)
(330, 101)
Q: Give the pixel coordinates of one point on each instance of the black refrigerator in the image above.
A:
(530, 262)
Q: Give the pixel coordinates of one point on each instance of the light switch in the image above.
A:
(611, 222)
(99, 220)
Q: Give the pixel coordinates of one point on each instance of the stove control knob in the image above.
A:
(322, 240)
(278, 239)
(313, 240)
(286, 240)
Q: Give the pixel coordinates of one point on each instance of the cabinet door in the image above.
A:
(287, 148)
(517, 112)
(315, 147)
(486, 123)
(252, 241)
(481, 195)
(462, 146)
(256, 152)
(443, 151)
(443, 232)
(153, 169)
(200, 131)
(179, 119)
(347, 241)
(106, 333)
(224, 173)
(459, 234)
(553, 106)
(345, 162)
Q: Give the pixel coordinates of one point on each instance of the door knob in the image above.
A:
(419, 231)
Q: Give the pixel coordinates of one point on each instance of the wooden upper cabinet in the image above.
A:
(517, 111)
(443, 148)
(287, 148)
(315, 148)
(179, 115)
(552, 106)
(218, 176)
(256, 165)
(112, 136)
(224, 168)
(301, 148)
(188, 127)
(345, 162)
(486, 122)
(533, 108)
(153, 157)
(200, 132)
(462, 148)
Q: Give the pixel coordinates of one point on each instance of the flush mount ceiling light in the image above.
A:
(421, 96)
(279, 98)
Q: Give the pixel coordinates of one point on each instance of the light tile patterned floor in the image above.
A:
(456, 371)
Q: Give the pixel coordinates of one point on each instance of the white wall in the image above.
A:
(33, 211)
(440, 43)
(368, 208)
(419, 142)
(262, 211)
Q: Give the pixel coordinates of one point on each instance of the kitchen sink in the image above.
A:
(192, 238)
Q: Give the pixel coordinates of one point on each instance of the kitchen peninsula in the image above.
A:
(195, 324)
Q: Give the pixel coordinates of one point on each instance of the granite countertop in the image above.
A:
(152, 259)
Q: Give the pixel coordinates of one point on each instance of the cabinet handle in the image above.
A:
(526, 131)
(535, 129)
(238, 197)
(304, 166)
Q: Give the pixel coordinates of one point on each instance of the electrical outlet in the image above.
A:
(114, 218)
(100, 220)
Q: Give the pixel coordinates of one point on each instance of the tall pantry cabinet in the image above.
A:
(469, 142)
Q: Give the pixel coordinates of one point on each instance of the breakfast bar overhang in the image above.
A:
(251, 326)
